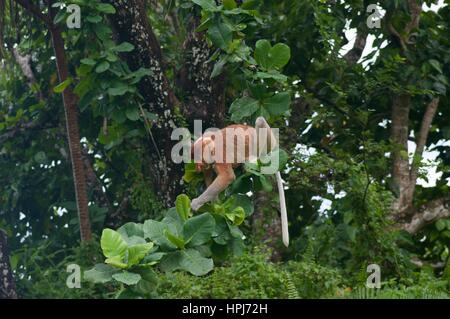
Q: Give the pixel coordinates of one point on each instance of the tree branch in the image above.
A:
(355, 53)
(423, 136)
(426, 125)
(429, 213)
(415, 9)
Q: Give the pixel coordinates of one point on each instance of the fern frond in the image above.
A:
(290, 286)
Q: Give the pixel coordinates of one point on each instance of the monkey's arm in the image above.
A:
(225, 176)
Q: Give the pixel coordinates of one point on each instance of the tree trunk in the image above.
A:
(7, 285)
(73, 135)
(205, 98)
(400, 166)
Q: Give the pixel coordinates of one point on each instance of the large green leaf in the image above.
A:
(199, 229)
(174, 221)
(269, 57)
(243, 108)
(155, 231)
(128, 278)
(137, 252)
(221, 234)
(183, 206)
(278, 104)
(113, 244)
(279, 55)
(131, 230)
(174, 239)
(208, 5)
(220, 35)
(117, 261)
(101, 273)
(262, 49)
(192, 261)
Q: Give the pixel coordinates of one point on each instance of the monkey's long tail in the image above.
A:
(284, 219)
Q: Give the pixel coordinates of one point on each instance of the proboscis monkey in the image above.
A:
(223, 150)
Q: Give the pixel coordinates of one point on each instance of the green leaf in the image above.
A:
(128, 278)
(192, 261)
(174, 221)
(113, 244)
(118, 91)
(124, 47)
(221, 234)
(155, 231)
(279, 55)
(277, 76)
(218, 68)
(243, 108)
(88, 61)
(198, 230)
(130, 230)
(101, 273)
(207, 5)
(436, 65)
(153, 258)
(102, 67)
(116, 261)
(237, 216)
(137, 252)
(266, 184)
(106, 8)
(278, 104)
(269, 57)
(441, 225)
(132, 114)
(220, 35)
(262, 53)
(62, 86)
(229, 4)
(94, 19)
(183, 206)
(176, 240)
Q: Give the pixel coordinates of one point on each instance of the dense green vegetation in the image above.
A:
(86, 117)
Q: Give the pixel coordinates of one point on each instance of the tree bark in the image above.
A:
(429, 213)
(400, 166)
(73, 134)
(7, 284)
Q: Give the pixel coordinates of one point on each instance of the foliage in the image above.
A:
(253, 276)
(284, 60)
(180, 241)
